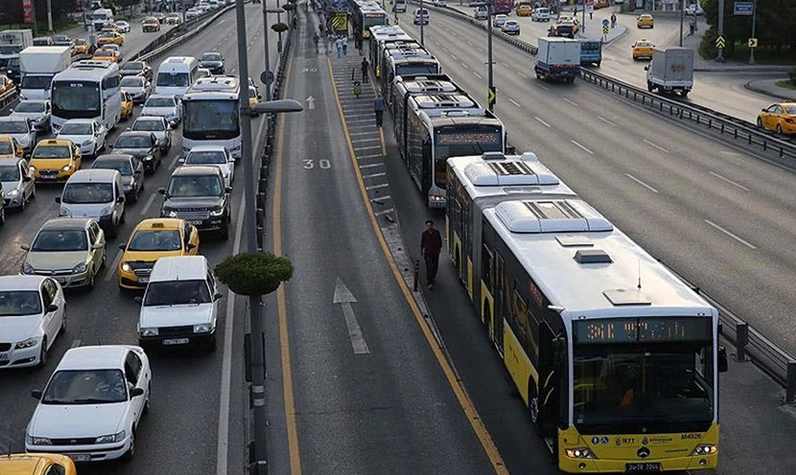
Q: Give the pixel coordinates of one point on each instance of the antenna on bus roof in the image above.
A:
(639, 274)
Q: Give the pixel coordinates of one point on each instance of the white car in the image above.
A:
(32, 315)
(481, 12)
(498, 21)
(168, 107)
(92, 404)
(694, 9)
(89, 134)
(158, 126)
(138, 87)
(38, 112)
(540, 14)
(213, 155)
(511, 27)
(192, 14)
(21, 129)
(123, 26)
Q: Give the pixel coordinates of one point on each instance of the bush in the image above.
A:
(707, 48)
(279, 27)
(254, 273)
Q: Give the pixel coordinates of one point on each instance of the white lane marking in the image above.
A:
(374, 187)
(453, 56)
(381, 198)
(383, 212)
(373, 155)
(372, 165)
(367, 140)
(539, 119)
(444, 49)
(111, 272)
(542, 86)
(522, 75)
(226, 358)
(374, 175)
(370, 132)
(75, 343)
(606, 121)
(477, 75)
(656, 146)
(729, 181)
(357, 149)
(148, 203)
(352, 115)
(728, 233)
(345, 298)
(641, 183)
(506, 65)
(732, 154)
(465, 66)
(514, 102)
(582, 147)
(571, 102)
(436, 42)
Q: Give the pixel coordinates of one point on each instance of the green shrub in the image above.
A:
(707, 48)
(254, 273)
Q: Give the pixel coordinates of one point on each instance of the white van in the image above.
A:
(399, 6)
(94, 193)
(176, 75)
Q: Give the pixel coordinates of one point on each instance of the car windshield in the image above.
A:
(205, 158)
(6, 148)
(195, 185)
(87, 193)
(133, 66)
(75, 129)
(185, 292)
(156, 240)
(133, 141)
(790, 109)
(9, 172)
(51, 151)
(13, 127)
(60, 240)
(98, 386)
(31, 106)
(148, 125)
(159, 101)
(132, 81)
(122, 166)
(211, 57)
(103, 52)
(16, 303)
(173, 80)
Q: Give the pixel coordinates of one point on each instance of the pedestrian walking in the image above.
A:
(691, 27)
(430, 247)
(316, 39)
(365, 66)
(339, 44)
(378, 108)
(591, 13)
(345, 45)
(613, 20)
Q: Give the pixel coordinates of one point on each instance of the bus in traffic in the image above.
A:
(406, 62)
(404, 88)
(616, 359)
(211, 114)
(503, 7)
(381, 36)
(365, 14)
(87, 90)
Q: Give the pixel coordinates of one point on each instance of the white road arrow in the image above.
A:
(311, 105)
(344, 297)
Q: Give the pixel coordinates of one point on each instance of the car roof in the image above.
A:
(196, 170)
(66, 223)
(113, 157)
(156, 118)
(54, 143)
(93, 175)
(208, 148)
(179, 268)
(29, 464)
(137, 133)
(9, 161)
(161, 95)
(94, 357)
(79, 121)
(11, 118)
(20, 282)
(159, 223)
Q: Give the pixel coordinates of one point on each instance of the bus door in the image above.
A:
(500, 301)
(427, 172)
(552, 358)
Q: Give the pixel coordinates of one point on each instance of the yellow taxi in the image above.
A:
(36, 464)
(127, 106)
(106, 55)
(778, 117)
(645, 20)
(55, 160)
(110, 37)
(524, 9)
(150, 24)
(601, 4)
(10, 147)
(110, 27)
(642, 49)
(81, 46)
(152, 239)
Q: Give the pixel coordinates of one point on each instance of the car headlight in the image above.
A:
(217, 212)
(579, 453)
(32, 168)
(13, 192)
(87, 142)
(80, 268)
(28, 269)
(67, 167)
(32, 341)
(106, 211)
(126, 267)
(109, 439)
(148, 332)
(32, 440)
(202, 328)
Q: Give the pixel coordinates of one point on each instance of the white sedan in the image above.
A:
(160, 105)
(123, 26)
(212, 155)
(32, 315)
(89, 134)
(158, 126)
(92, 405)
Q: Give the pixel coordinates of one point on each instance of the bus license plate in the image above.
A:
(176, 341)
(643, 467)
(80, 457)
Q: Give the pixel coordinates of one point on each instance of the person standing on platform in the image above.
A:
(430, 248)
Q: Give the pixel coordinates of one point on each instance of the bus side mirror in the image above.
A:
(723, 360)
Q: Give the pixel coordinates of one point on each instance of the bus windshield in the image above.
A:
(211, 120)
(417, 69)
(173, 80)
(457, 141)
(76, 99)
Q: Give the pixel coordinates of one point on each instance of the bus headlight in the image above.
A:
(579, 453)
(705, 449)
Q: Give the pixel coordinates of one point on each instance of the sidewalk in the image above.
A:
(770, 88)
(594, 27)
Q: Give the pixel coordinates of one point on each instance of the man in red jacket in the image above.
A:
(430, 247)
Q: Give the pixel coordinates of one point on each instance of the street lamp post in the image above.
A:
(682, 18)
(269, 78)
(754, 18)
(49, 16)
(421, 23)
(490, 77)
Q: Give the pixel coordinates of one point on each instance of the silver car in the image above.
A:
(160, 105)
(137, 86)
(21, 129)
(38, 112)
(212, 155)
(88, 134)
(511, 27)
(19, 187)
(158, 126)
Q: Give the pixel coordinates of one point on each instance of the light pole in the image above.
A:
(754, 18)
(269, 76)
(49, 16)
(490, 78)
(682, 18)
(421, 22)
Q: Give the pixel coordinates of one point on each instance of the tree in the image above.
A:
(254, 273)
(775, 26)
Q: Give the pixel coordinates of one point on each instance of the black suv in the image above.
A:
(197, 194)
(212, 61)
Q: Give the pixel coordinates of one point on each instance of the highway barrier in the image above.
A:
(750, 344)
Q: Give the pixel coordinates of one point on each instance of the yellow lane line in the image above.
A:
(458, 388)
(284, 338)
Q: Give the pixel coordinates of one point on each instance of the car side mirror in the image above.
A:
(36, 393)
(139, 300)
(52, 308)
(57, 199)
(259, 96)
(190, 245)
(217, 296)
(97, 246)
(228, 189)
(723, 366)
(162, 191)
(120, 199)
(763, 110)
(27, 178)
(646, 68)
(122, 246)
(25, 247)
(135, 392)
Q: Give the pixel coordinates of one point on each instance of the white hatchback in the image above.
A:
(89, 134)
(92, 404)
(32, 315)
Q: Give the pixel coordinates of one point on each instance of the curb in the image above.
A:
(758, 90)
(741, 69)
(606, 43)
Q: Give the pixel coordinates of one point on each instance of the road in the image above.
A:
(180, 434)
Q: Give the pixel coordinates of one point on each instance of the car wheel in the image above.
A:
(104, 258)
(24, 203)
(212, 345)
(760, 123)
(779, 128)
(43, 353)
(2, 216)
(225, 232)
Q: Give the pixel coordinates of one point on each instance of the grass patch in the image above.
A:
(786, 84)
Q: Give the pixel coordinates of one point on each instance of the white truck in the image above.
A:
(101, 17)
(12, 42)
(671, 70)
(38, 65)
(558, 58)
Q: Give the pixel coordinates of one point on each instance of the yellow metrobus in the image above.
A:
(365, 14)
(616, 359)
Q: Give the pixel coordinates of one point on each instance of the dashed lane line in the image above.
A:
(582, 147)
(730, 234)
(641, 183)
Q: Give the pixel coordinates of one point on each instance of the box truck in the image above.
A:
(11, 43)
(38, 65)
(671, 70)
(558, 58)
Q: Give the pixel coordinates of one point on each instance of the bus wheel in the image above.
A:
(533, 404)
